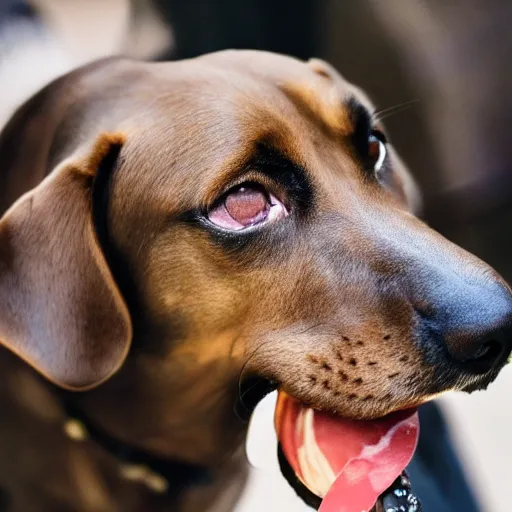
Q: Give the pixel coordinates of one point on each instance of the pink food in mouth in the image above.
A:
(348, 463)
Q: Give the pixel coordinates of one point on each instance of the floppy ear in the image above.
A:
(60, 309)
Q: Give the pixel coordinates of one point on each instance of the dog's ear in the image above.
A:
(60, 309)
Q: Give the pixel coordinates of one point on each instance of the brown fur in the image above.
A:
(160, 318)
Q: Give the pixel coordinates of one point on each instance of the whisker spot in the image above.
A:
(326, 366)
(343, 375)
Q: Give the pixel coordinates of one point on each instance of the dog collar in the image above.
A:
(161, 476)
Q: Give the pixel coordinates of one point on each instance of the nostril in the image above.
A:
(488, 353)
(487, 356)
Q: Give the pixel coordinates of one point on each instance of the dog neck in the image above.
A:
(190, 417)
(161, 476)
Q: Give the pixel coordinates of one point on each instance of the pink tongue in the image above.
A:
(347, 463)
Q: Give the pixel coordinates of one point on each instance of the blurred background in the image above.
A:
(446, 62)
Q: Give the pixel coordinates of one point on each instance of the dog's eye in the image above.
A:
(246, 205)
(377, 150)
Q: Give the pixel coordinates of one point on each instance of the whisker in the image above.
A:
(380, 115)
(248, 360)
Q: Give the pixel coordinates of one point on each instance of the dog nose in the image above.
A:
(478, 332)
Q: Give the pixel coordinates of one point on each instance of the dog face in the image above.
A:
(238, 214)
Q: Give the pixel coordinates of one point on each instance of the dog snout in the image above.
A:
(464, 307)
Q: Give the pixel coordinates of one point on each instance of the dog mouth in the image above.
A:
(346, 465)
(398, 497)
(336, 464)
(341, 465)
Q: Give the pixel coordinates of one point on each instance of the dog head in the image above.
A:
(238, 213)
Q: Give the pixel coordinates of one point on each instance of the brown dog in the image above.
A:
(172, 228)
